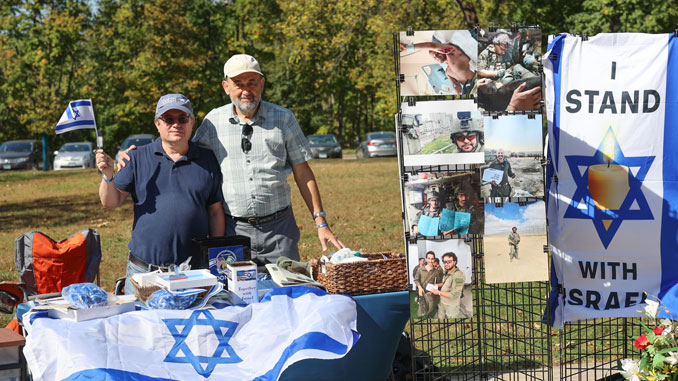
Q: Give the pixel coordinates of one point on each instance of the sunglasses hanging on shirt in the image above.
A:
(245, 143)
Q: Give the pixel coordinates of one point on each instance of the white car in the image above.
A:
(74, 156)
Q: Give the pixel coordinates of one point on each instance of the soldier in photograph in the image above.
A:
(465, 201)
(495, 63)
(432, 209)
(514, 240)
(428, 275)
(491, 58)
(421, 264)
(467, 133)
(503, 189)
(451, 289)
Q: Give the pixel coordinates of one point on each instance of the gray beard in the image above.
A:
(246, 109)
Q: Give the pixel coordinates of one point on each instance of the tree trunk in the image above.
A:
(340, 117)
(469, 10)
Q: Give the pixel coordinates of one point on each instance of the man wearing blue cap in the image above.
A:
(176, 189)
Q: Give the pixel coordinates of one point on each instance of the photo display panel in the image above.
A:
(470, 145)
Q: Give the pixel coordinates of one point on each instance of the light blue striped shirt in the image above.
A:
(255, 183)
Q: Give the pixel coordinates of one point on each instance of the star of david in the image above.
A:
(76, 114)
(223, 330)
(582, 205)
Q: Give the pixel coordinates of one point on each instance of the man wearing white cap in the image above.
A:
(176, 189)
(257, 145)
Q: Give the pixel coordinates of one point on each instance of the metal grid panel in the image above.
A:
(517, 343)
(589, 349)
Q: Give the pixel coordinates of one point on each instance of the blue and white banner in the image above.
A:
(611, 104)
(254, 342)
(78, 115)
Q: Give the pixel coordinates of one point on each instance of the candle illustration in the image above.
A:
(608, 183)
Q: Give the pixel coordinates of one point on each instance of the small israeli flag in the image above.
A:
(78, 115)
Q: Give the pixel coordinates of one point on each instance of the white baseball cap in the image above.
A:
(241, 63)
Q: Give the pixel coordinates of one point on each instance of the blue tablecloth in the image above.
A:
(381, 320)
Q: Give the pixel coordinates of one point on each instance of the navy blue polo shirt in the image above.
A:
(170, 200)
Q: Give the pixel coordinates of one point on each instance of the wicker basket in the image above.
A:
(382, 272)
(143, 293)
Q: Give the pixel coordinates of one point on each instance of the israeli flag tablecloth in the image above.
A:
(612, 178)
(254, 342)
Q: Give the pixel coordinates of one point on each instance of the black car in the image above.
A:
(21, 154)
(324, 146)
(137, 140)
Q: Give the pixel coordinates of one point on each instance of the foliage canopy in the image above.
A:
(329, 61)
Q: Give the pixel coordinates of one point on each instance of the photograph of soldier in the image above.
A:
(427, 278)
(513, 241)
(432, 208)
(442, 132)
(451, 200)
(420, 264)
(501, 188)
(508, 70)
(450, 291)
(511, 256)
(467, 133)
(454, 298)
(513, 153)
(441, 62)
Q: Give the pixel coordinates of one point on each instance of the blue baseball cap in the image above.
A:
(173, 102)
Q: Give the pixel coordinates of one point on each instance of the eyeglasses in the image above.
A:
(170, 120)
(466, 135)
(448, 262)
(245, 143)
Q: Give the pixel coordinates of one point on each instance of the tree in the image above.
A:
(42, 48)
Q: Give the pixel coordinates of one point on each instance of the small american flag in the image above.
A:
(247, 275)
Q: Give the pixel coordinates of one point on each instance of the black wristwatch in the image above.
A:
(320, 214)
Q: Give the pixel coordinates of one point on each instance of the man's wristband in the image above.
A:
(322, 225)
(103, 177)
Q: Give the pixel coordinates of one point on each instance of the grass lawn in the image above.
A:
(361, 198)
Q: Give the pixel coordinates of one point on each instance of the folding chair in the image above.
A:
(45, 266)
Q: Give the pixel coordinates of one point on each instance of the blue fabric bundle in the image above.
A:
(166, 300)
(85, 295)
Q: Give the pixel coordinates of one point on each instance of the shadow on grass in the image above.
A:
(7, 176)
(55, 211)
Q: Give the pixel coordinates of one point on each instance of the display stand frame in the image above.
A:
(509, 336)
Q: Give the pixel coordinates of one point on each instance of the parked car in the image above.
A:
(372, 144)
(73, 156)
(137, 140)
(324, 146)
(21, 154)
